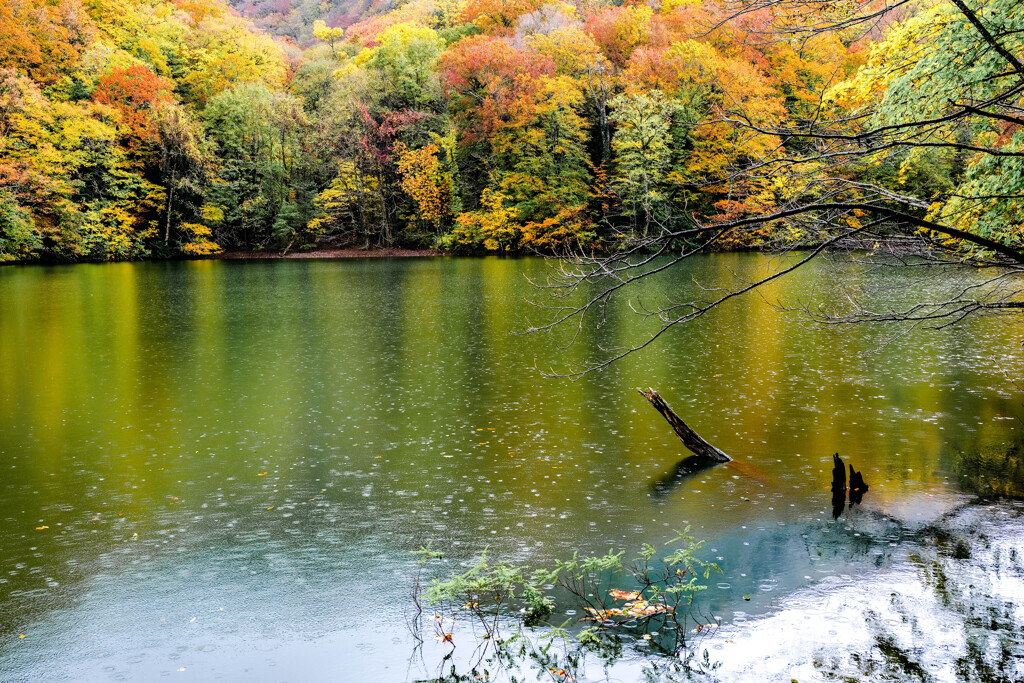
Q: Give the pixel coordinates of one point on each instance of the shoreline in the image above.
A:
(326, 254)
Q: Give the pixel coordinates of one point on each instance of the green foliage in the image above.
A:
(925, 64)
(644, 600)
(642, 153)
(477, 125)
(19, 238)
(404, 63)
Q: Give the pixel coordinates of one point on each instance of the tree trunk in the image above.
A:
(170, 199)
(690, 438)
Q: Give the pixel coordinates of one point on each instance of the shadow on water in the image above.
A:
(682, 471)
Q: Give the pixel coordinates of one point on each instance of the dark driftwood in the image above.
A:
(690, 438)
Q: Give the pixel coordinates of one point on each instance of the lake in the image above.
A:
(217, 470)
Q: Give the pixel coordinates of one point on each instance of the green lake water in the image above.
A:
(217, 470)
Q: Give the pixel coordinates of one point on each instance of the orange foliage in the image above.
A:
(498, 17)
(43, 39)
(485, 76)
(620, 30)
(136, 93)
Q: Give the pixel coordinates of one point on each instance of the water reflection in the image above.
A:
(273, 438)
(685, 469)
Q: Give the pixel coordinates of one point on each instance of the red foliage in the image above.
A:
(136, 92)
(485, 76)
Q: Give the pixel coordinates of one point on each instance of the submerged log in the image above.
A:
(858, 487)
(838, 486)
(690, 438)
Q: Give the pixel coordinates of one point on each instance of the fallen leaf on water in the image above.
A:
(22, 635)
(271, 507)
(623, 595)
(260, 474)
(40, 528)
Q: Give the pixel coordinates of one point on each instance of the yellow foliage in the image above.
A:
(494, 227)
(570, 230)
(670, 6)
(199, 242)
(426, 181)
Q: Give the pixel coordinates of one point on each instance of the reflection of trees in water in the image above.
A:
(974, 571)
(964, 560)
(990, 472)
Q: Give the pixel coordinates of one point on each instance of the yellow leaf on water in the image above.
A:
(40, 528)
(22, 635)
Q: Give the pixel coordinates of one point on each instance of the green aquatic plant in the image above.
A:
(505, 612)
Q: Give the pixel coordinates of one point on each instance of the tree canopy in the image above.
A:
(142, 128)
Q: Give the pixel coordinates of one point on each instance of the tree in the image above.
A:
(183, 165)
(642, 152)
(542, 161)
(427, 181)
(136, 93)
(405, 62)
(259, 136)
(922, 149)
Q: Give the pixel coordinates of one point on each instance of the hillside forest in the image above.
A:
(156, 128)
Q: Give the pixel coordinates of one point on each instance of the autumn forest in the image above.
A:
(155, 128)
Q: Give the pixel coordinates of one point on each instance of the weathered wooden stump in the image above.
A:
(690, 438)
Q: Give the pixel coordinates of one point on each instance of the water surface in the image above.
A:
(216, 470)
